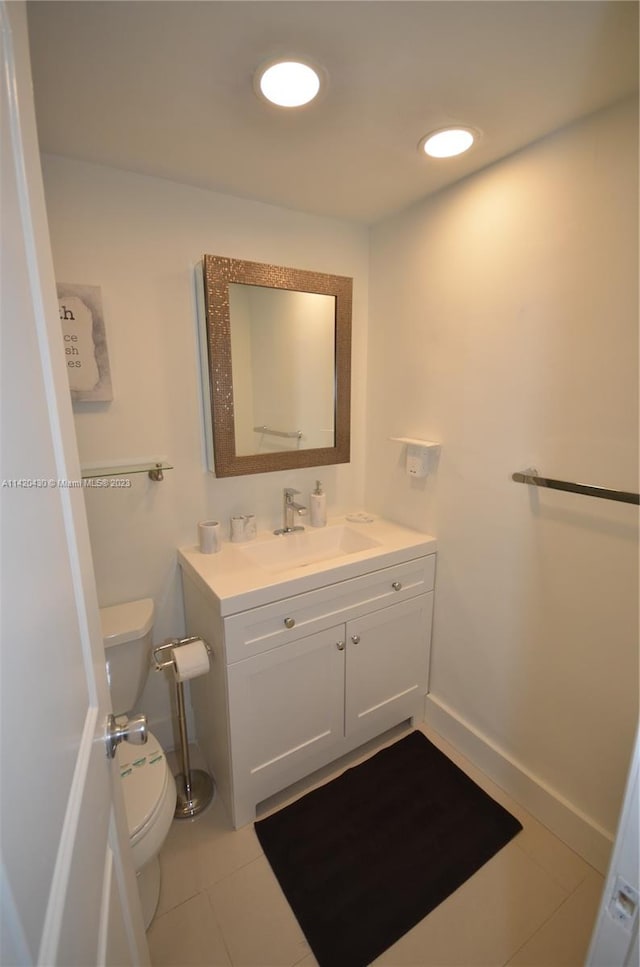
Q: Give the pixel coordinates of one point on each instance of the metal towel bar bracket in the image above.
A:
(531, 476)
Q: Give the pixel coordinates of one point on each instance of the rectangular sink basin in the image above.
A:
(306, 548)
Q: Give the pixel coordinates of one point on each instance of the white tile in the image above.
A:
(178, 880)
(219, 849)
(563, 941)
(256, 921)
(200, 851)
(485, 921)
(188, 936)
(539, 843)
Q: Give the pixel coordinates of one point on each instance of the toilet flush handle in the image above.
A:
(132, 730)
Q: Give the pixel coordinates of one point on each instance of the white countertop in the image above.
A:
(238, 584)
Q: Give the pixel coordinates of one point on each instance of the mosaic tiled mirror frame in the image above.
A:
(218, 273)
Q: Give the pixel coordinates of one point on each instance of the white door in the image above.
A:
(66, 875)
(615, 936)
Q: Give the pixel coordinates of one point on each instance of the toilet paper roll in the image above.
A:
(191, 660)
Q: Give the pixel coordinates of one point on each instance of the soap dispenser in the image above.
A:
(318, 502)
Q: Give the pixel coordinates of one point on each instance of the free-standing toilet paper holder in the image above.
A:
(194, 786)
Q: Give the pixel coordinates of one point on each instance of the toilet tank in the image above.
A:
(126, 633)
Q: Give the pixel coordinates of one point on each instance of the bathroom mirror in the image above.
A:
(278, 348)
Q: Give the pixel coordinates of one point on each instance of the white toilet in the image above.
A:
(147, 783)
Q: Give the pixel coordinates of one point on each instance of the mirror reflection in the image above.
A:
(283, 362)
(279, 363)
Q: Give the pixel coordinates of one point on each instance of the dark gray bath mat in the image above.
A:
(364, 858)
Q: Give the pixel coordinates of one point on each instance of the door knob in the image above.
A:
(289, 622)
(396, 586)
(355, 639)
(340, 645)
(132, 730)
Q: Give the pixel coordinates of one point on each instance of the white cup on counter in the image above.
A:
(250, 527)
(209, 537)
(238, 524)
(243, 528)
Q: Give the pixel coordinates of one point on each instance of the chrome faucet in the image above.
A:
(289, 508)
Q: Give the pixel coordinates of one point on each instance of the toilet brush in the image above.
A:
(188, 658)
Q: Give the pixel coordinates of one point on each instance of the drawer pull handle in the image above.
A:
(355, 639)
(396, 586)
(340, 645)
(289, 622)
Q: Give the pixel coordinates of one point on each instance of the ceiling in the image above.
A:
(166, 89)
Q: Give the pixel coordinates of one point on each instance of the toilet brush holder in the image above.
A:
(195, 788)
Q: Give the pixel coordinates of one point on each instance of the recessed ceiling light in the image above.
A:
(289, 83)
(447, 142)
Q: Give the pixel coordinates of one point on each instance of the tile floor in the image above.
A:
(531, 905)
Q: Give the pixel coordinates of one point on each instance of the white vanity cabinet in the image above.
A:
(302, 680)
(309, 698)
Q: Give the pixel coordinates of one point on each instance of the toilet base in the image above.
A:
(148, 880)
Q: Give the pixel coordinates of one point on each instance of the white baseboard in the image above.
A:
(579, 831)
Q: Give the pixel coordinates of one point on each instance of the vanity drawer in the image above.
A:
(260, 629)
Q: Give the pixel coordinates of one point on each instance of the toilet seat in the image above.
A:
(149, 796)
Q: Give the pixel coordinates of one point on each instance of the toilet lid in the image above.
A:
(126, 622)
(143, 769)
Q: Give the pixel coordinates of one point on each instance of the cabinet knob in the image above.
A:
(355, 639)
(340, 645)
(396, 586)
(289, 622)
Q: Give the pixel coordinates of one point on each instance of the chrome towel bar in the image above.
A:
(294, 434)
(532, 477)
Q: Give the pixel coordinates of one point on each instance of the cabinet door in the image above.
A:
(285, 707)
(387, 663)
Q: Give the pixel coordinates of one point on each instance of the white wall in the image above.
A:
(139, 239)
(504, 324)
